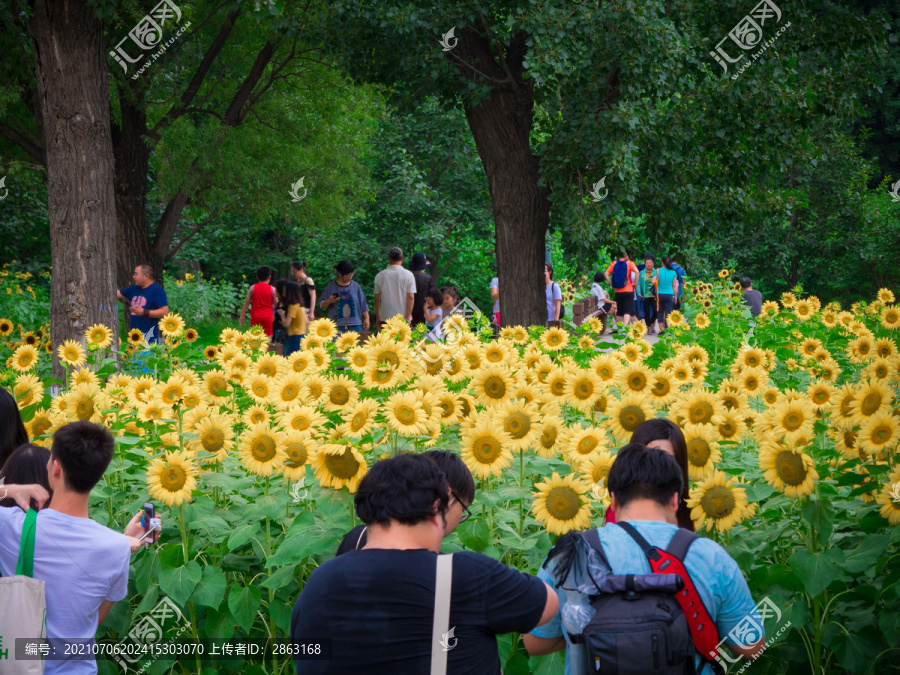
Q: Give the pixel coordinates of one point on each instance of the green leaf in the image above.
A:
(242, 535)
(281, 577)
(866, 553)
(294, 549)
(243, 601)
(179, 582)
(551, 664)
(211, 589)
(889, 622)
(820, 515)
(281, 611)
(474, 534)
(816, 570)
(855, 651)
(517, 665)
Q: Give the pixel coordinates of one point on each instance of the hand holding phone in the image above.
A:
(150, 522)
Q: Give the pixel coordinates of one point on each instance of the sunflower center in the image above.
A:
(631, 416)
(563, 503)
(297, 455)
(260, 389)
(790, 468)
(84, 409)
(554, 339)
(548, 436)
(315, 390)
(358, 421)
(881, 434)
(486, 449)
(558, 387)
(172, 395)
(583, 390)
(701, 412)
(793, 421)
(213, 440)
(406, 414)
(40, 425)
(389, 357)
(718, 502)
(870, 404)
(289, 392)
(343, 465)
(661, 388)
(493, 356)
(517, 425)
(173, 478)
(637, 382)
(301, 422)
(600, 404)
(383, 375)
(587, 445)
(820, 397)
(258, 416)
(849, 438)
(339, 394)
(600, 472)
(263, 449)
(495, 387)
(698, 451)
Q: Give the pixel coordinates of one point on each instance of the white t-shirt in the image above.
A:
(599, 293)
(435, 332)
(81, 562)
(393, 283)
(495, 283)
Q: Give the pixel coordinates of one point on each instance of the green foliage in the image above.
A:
(204, 299)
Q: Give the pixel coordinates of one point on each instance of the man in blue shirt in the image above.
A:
(645, 485)
(681, 275)
(148, 302)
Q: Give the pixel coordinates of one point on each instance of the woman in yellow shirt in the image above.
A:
(294, 319)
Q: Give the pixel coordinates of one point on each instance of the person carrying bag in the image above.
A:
(26, 594)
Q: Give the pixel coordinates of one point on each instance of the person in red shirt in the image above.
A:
(623, 272)
(261, 300)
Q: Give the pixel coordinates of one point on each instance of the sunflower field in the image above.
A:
(791, 423)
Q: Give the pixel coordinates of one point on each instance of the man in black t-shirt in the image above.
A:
(376, 605)
(424, 285)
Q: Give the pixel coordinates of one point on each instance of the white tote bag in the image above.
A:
(25, 607)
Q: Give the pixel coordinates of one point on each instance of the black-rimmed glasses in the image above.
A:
(466, 513)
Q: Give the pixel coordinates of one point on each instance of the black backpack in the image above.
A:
(639, 626)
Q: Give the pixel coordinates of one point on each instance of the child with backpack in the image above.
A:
(642, 595)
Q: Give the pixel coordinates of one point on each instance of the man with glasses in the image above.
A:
(399, 606)
(462, 492)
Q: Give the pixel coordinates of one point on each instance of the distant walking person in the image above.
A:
(553, 293)
(679, 298)
(621, 274)
(668, 291)
(752, 298)
(307, 287)
(424, 287)
(495, 296)
(261, 301)
(395, 289)
(148, 302)
(293, 317)
(345, 301)
(604, 304)
(648, 285)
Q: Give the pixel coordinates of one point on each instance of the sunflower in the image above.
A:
(485, 448)
(636, 378)
(6, 327)
(821, 394)
(24, 358)
(702, 320)
(262, 449)
(702, 451)
(260, 388)
(788, 470)
(172, 391)
(361, 417)
(637, 330)
(582, 445)
(582, 390)
(845, 437)
(268, 365)
(216, 386)
(719, 503)
(890, 317)
(215, 435)
(606, 367)
(871, 397)
(879, 369)
(519, 421)
(286, 390)
(84, 376)
(793, 419)
(210, 352)
(303, 418)
(172, 478)
(357, 358)
(297, 450)
(627, 413)
(804, 309)
(346, 341)
(732, 426)
(71, 353)
(889, 498)
(27, 390)
(404, 413)
(338, 466)
(301, 362)
(381, 376)
(256, 414)
(492, 385)
(561, 504)
(396, 328)
(681, 372)
(342, 394)
(788, 300)
(42, 423)
(878, 433)
(171, 325)
(861, 349)
(733, 400)
(675, 318)
(702, 407)
(632, 352)
(724, 274)
(551, 433)
(98, 335)
(662, 388)
(557, 382)
(154, 410)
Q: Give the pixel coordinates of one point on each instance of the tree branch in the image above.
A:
(32, 149)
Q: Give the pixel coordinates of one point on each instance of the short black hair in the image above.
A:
(344, 267)
(264, 272)
(147, 268)
(12, 430)
(436, 296)
(639, 472)
(650, 257)
(452, 292)
(745, 282)
(458, 475)
(659, 429)
(549, 268)
(297, 265)
(395, 254)
(27, 465)
(403, 488)
(599, 278)
(84, 450)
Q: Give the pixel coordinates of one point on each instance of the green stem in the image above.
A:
(182, 527)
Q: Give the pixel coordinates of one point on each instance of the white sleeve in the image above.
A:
(118, 586)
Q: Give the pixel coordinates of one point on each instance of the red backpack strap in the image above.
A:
(671, 561)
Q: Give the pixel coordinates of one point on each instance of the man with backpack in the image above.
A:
(620, 612)
(622, 274)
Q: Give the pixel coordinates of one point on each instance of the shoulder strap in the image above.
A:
(25, 564)
(703, 629)
(362, 534)
(443, 584)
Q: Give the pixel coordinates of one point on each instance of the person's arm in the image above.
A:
(23, 494)
(312, 298)
(428, 315)
(244, 308)
(495, 294)
(286, 319)
(377, 308)
(410, 300)
(157, 313)
(675, 286)
(556, 305)
(119, 295)
(105, 606)
(538, 646)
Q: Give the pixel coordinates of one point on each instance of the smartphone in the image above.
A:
(149, 513)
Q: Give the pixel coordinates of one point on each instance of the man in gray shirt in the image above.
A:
(395, 289)
(753, 299)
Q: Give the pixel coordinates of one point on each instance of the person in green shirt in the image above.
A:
(647, 285)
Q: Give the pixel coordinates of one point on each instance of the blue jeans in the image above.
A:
(343, 329)
(291, 344)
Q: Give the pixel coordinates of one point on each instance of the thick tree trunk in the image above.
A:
(132, 155)
(501, 126)
(73, 100)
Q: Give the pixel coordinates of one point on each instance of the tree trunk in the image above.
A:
(73, 100)
(501, 126)
(132, 155)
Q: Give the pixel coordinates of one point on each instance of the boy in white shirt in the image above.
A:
(434, 314)
(604, 304)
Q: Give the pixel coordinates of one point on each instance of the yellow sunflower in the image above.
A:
(788, 300)
(889, 498)
(582, 389)
(561, 504)
(172, 478)
(702, 407)
(215, 435)
(41, 424)
(702, 321)
(98, 335)
(492, 385)
(606, 367)
(6, 327)
(28, 389)
(702, 451)
(260, 388)
(719, 503)
(171, 325)
(627, 413)
(256, 414)
(551, 434)
(24, 358)
(337, 466)
(342, 394)
(361, 417)
(804, 310)
(262, 449)
(675, 318)
(485, 448)
(878, 433)
(71, 353)
(554, 339)
(286, 391)
(791, 471)
(82, 402)
(297, 451)
(404, 413)
(216, 386)
(733, 426)
(303, 418)
(632, 352)
(171, 391)
(793, 419)
(870, 398)
(890, 317)
(519, 421)
(636, 378)
(582, 445)
(210, 353)
(357, 358)
(821, 394)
